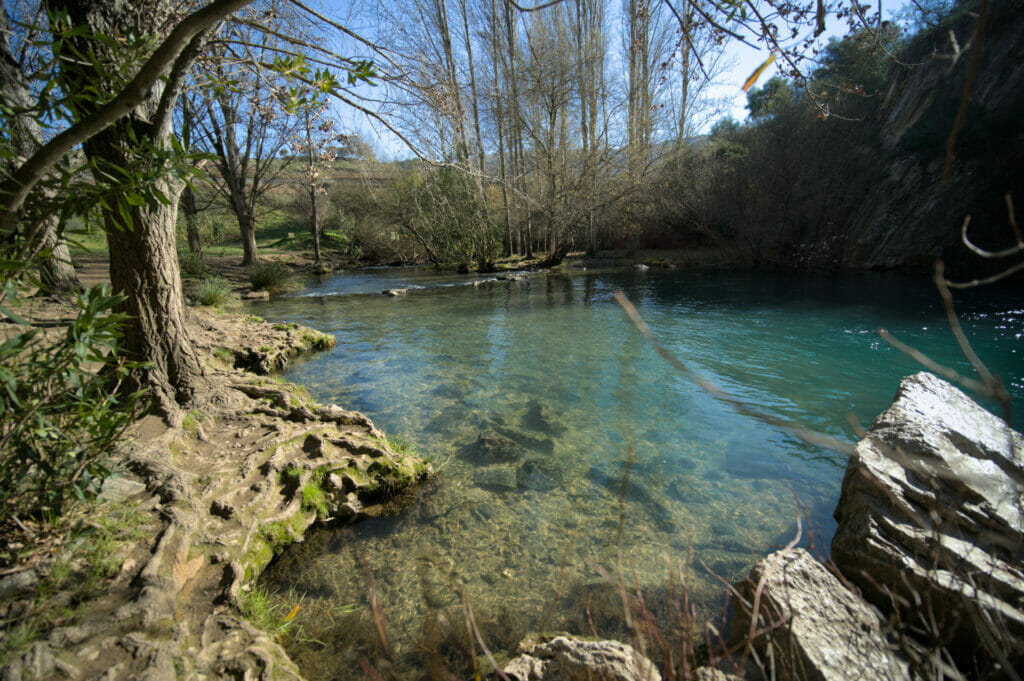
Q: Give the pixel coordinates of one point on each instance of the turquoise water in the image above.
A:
(528, 397)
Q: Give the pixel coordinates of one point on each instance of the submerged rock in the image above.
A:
(539, 417)
(816, 628)
(636, 491)
(498, 478)
(490, 449)
(565, 658)
(538, 475)
(931, 518)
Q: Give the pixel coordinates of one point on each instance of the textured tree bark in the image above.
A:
(314, 206)
(57, 276)
(179, 38)
(188, 204)
(143, 260)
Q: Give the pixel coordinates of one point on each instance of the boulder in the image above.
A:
(565, 658)
(931, 521)
(256, 295)
(817, 629)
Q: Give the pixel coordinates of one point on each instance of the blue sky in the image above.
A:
(743, 59)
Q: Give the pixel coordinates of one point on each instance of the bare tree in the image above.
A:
(245, 121)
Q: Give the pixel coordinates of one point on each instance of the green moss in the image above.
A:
(254, 319)
(190, 424)
(314, 340)
(285, 326)
(314, 499)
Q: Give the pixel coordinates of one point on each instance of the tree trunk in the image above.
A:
(188, 204)
(143, 261)
(247, 227)
(56, 273)
(144, 266)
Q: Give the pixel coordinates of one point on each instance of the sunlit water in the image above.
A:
(527, 396)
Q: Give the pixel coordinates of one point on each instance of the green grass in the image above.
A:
(272, 277)
(314, 499)
(213, 291)
(81, 242)
(92, 553)
(258, 606)
(16, 639)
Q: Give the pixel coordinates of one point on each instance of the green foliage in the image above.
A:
(459, 233)
(213, 291)
(725, 127)
(192, 264)
(775, 96)
(17, 638)
(271, 277)
(63, 407)
(855, 68)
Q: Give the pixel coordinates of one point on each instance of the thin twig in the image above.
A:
(965, 99)
(994, 384)
(927, 362)
(806, 434)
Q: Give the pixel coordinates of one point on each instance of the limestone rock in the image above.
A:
(19, 584)
(817, 628)
(256, 295)
(565, 658)
(931, 516)
(395, 292)
(712, 674)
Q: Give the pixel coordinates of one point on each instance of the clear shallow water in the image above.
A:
(528, 395)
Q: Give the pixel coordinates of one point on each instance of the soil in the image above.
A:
(192, 515)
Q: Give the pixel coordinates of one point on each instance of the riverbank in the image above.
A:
(154, 581)
(497, 485)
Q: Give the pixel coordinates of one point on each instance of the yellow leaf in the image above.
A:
(757, 72)
(293, 613)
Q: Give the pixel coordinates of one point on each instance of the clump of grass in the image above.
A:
(272, 277)
(213, 291)
(258, 606)
(314, 499)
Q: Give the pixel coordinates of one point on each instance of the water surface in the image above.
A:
(528, 397)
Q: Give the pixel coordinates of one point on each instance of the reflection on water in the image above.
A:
(529, 395)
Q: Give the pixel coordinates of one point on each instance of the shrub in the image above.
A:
(63, 408)
(271, 277)
(192, 264)
(213, 291)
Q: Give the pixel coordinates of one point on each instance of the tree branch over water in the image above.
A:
(806, 434)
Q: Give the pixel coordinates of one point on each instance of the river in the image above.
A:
(528, 397)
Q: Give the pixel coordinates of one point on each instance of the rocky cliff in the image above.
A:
(910, 214)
